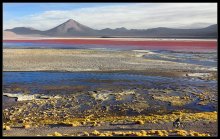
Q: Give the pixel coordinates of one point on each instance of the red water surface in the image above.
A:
(145, 44)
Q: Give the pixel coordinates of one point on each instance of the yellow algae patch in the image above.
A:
(185, 117)
(163, 133)
(26, 126)
(96, 124)
(143, 132)
(71, 123)
(155, 133)
(46, 121)
(140, 122)
(55, 134)
(208, 116)
(158, 132)
(95, 132)
(187, 133)
(175, 132)
(85, 133)
(75, 124)
(83, 123)
(5, 127)
(193, 133)
(182, 133)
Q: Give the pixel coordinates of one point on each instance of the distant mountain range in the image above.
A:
(72, 28)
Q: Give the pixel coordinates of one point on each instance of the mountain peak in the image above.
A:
(69, 27)
(70, 20)
(72, 24)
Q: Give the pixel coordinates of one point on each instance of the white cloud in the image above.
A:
(136, 16)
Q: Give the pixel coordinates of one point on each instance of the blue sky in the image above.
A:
(113, 15)
(16, 10)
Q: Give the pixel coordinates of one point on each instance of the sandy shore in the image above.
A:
(85, 60)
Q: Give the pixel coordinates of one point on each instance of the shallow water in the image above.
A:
(73, 82)
(75, 78)
(208, 59)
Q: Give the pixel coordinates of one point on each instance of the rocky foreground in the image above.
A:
(110, 113)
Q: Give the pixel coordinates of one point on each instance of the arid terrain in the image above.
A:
(110, 69)
(106, 93)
